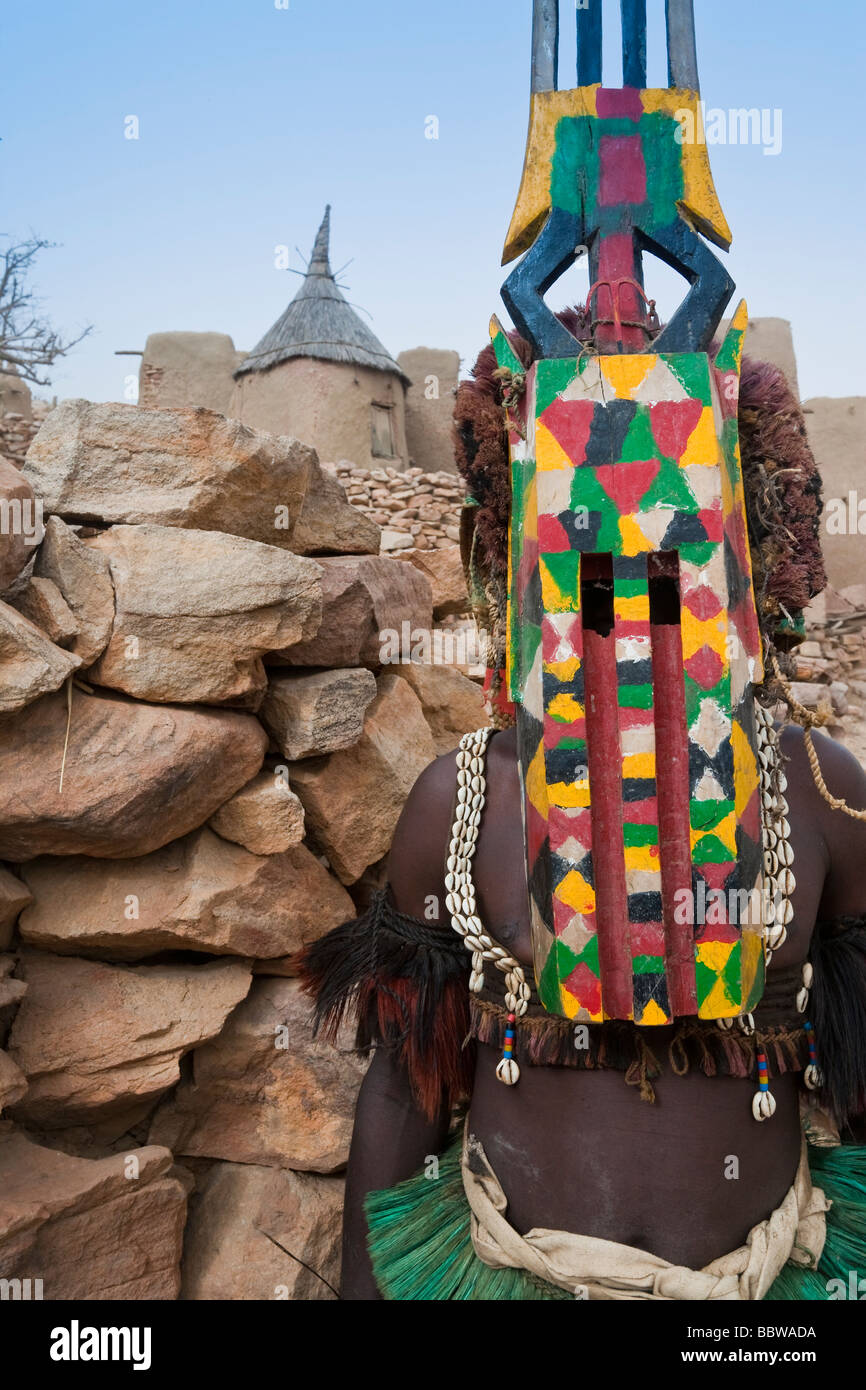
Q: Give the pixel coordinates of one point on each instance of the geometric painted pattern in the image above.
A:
(637, 742)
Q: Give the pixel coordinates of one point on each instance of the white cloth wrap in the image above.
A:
(603, 1269)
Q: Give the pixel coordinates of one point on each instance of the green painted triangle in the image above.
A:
(564, 569)
(731, 972)
(705, 979)
(548, 983)
(527, 642)
(670, 489)
(696, 694)
(706, 814)
(639, 443)
(692, 369)
(710, 850)
(553, 374)
(588, 956)
(698, 552)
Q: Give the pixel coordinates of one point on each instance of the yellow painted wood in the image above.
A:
(700, 203)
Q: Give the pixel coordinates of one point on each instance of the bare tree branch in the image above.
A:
(27, 340)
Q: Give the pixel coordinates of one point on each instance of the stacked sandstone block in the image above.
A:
(202, 762)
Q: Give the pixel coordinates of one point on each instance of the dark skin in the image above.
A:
(580, 1151)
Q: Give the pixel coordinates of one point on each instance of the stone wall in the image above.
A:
(17, 434)
(202, 762)
(415, 508)
(20, 417)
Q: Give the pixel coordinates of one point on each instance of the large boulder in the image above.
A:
(443, 567)
(353, 798)
(200, 893)
(453, 705)
(364, 596)
(114, 463)
(89, 1229)
(265, 816)
(347, 620)
(95, 1039)
(20, 523)
(197, 609)
(257, 1233)
(83, 579)
(317, 713)
(136, 776)
(265, 1091)
(328, 524)
(30, 664)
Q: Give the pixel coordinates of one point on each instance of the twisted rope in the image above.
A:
(809, 720)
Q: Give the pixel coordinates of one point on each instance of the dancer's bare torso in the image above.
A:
(581, 1151)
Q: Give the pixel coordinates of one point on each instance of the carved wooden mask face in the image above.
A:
(632, 652)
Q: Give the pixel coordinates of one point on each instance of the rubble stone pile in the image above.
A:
(203, 756)
(17, 432)
(414, 508)
(831, 667)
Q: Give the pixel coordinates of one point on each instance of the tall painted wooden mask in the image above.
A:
(633, 646)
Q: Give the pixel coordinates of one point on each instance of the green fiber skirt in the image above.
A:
(421, 1247)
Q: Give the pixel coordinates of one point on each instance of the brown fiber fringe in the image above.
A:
(549, 1041)
(837, 1009)
(406, 984)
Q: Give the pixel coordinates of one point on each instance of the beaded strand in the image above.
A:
(460, 895)
(779, 881)
(812, 1075)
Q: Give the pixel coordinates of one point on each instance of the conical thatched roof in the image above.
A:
(319, 323)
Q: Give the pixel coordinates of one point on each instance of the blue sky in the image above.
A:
(251, 118)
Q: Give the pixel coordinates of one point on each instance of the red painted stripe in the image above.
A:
(622, 174)
(606, 809)
(616, 260)
(672, 787)
(632, 627)
(631, 717)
